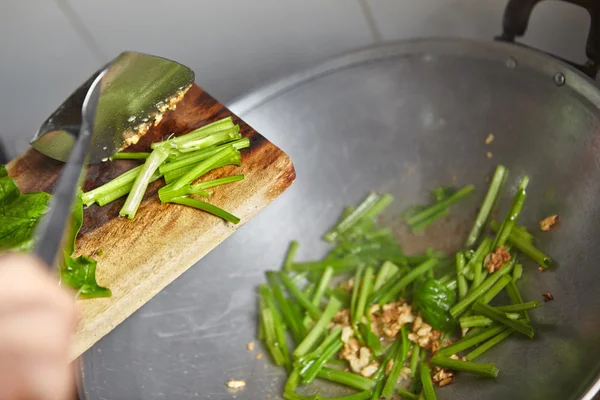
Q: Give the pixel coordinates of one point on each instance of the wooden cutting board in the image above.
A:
(141, 257)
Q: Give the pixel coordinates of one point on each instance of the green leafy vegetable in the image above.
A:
(80, 272)
(19, 214)
(435, 299)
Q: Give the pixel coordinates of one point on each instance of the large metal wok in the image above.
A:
(401, 118)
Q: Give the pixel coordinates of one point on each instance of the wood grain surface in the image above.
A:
(141, 257)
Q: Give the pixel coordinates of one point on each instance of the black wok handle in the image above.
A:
(516, 19)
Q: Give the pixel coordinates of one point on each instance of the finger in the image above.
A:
(50, 381)
(23, 281)
(36, 333)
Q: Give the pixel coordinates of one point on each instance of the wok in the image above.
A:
(401, 118)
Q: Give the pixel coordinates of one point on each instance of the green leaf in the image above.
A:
(19, 214)
(435, 299)
(80, 272)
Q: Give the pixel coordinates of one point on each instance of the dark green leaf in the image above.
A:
(19, 214)
(80, 272)
(435, 299)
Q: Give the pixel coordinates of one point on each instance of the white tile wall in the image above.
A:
(234, 45)
(556, 27)
(42, 60)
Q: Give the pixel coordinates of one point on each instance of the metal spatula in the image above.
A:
(110, 110)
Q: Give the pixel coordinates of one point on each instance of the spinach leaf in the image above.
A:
(19, 214)
(435, 299)
(80, 272)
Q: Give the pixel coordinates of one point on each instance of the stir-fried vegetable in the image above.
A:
(385, 317)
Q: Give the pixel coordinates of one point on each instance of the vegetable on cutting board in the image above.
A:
(383, 323)
(142, 256)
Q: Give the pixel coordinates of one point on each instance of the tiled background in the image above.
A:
(48, 47)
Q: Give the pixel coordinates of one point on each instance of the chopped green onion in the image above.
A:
(209, 208)
(141, 183)
(498, 316)
(434, 209)
(488, 345)
(130, 156)
(428, 391)
(320, 326)
(346, 378)
(488, 203)
(485, 370)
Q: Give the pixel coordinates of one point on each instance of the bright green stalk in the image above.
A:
(290, 255)
(352, 218)
(470, 341)
(419, 226)
(304, 301)
(166, 197)
(346, 378)
(461, 280)
(130, 156)
(488, 345)
(407, 280)
(90, 197)
(141, 183)
(317, 365)
(485, 370)
(518, 307)
(221, 137)
(414, 361)
(332, 337)
(399, 359)
(488, 203)
(524, 244)
(476, 262)
(386, 272)
(498, 316)
(218, 182)
(279, 326)
(355, 292)
(481, 321)
(513, 214)
(495, 289)
(201, 168)
(295, 326)
(268, 323)
(320, 326)
(473, 295)
(323, 284)
(517, 299)
(365, 394)
(434, 209)
(365, 292)
(517, 272)
(202, 132)
(200, 155)
(405, 394)
(121, 191)
(209, 208)
(428, 391)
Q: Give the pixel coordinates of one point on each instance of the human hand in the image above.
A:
(37, 324)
